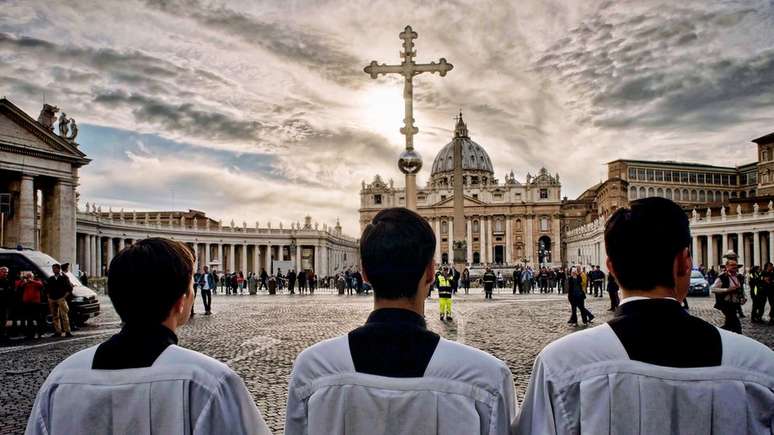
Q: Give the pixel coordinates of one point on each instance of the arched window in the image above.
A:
(543, 223)
(475, 226)
(686, 196)
(702, 196)
(518, 224)
(694, 195)
(718, 196)
(710, 196)
(444, 227)
(651, 192)
(632, 192)
(678, 195)
(660, 192)
(642, 193)
(669, 193)
(499, 225)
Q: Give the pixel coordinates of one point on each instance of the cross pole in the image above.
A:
(410, 162)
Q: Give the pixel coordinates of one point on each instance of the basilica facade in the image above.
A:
(507, 222)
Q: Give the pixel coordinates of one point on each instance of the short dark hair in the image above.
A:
(147, 278)
(652, 232)
(395, 249)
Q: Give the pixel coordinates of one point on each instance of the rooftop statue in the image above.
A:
(47, 116)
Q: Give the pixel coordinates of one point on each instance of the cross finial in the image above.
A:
(408, 36)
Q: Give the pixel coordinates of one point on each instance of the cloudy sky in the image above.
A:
(260, 111)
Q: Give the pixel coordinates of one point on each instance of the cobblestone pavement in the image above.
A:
(259, 337)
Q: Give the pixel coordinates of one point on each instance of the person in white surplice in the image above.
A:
(140, 381)
(653, 368)
(393, 375)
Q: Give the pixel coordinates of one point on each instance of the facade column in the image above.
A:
(26, 212)
(298, 257)
(469, 240)
(740, 248)
(317, 259)
(437, 230)
(121, 244)
(93, 261)
(257, 259)
(556, 245)
(482, 239)
(528, 245)
(710, 252)
(244, 258)
(756, 260)
(508, 242)
(489, 240)
(450, 238)
(267, 259)
(231, 262)
(695, 250)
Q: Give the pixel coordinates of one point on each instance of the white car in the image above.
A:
(699, 285)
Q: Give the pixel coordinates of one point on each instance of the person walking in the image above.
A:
(576, 295)
(561, 279)
(207, 282)
(264, 280)
(757, 294)
(516, 280)
(489, 280)
(292, 281)
(768, 291)
(729, 294)
(58, 288)
(466, 280)
(445, 295)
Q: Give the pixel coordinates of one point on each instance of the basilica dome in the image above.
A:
(474, 157)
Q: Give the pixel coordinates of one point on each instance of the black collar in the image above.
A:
(396, 315)
(654, 306)
(135, 346)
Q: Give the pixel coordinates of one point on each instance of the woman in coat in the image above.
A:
(577, 295)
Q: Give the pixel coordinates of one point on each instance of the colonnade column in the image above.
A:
(723, 244)
(325, 271)
(220, 257)
(317, 259)
(508, 242)
(298, 257)
(267, 259)
(244, 258)
(756, 261)
(231, 262)
(695, 249)
(771, 246)
(207, 254)
(482, 239)
(99, 256)
(469, 240)
(740, 247)
(87, 254)
(528, 245)
(121, 244)
(710, 252)
(109, 251)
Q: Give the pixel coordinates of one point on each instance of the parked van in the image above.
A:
(83, 302)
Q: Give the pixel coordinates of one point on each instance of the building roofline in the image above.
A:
(676, 163)
(764, 139)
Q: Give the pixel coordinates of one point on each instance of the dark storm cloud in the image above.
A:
(662, 68)
(131, 67)
(315, 50)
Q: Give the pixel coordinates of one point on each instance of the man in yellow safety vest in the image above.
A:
(445, 294)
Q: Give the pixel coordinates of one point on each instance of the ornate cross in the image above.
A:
(408, 69)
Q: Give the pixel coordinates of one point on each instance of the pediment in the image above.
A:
(19, 130)
(467, 202)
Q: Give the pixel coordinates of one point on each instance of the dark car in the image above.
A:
(699, 285)
(83, 302)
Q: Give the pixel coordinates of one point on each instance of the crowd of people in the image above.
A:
(26, 303)
(653, 368)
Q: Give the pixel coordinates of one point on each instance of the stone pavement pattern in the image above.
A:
(260, 336)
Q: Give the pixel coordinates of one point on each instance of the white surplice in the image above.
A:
(463, 391)
(585, 383)
(183, 392)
